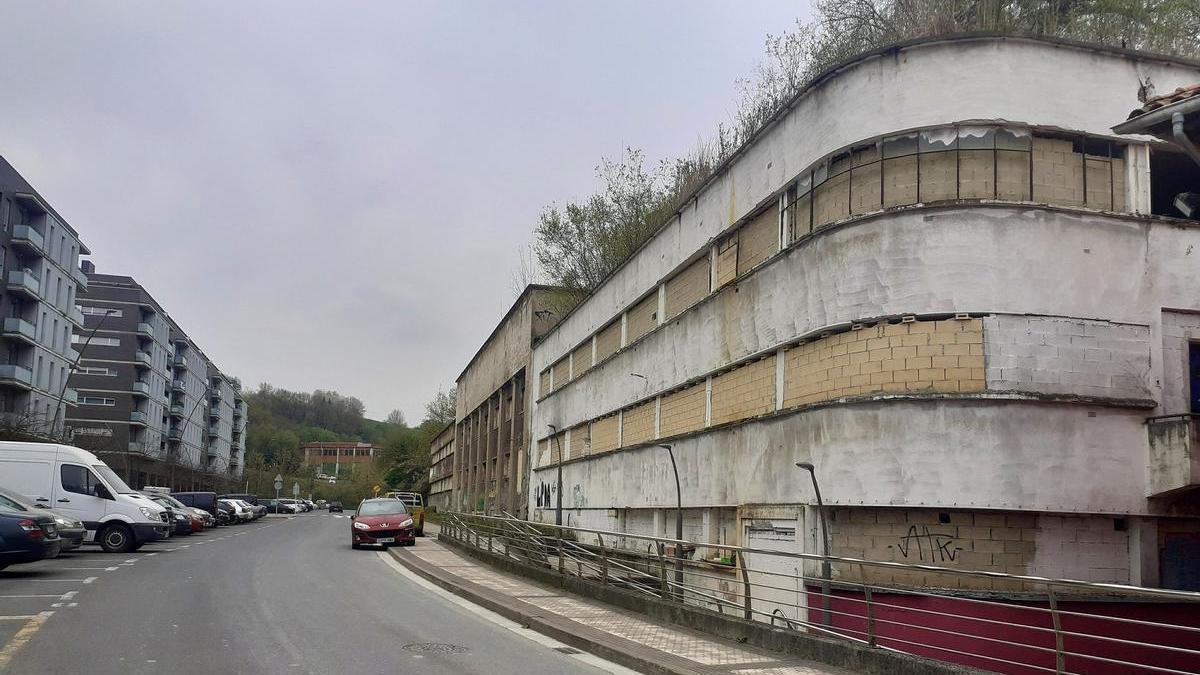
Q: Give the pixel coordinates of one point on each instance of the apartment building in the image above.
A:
(490, 462)
(337, 458)
(39, 257)
(152, 404)
(941, 279)
(441, 468)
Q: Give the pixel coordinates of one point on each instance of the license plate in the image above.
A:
(385, 540)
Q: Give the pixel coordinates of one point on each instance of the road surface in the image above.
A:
(283, 595)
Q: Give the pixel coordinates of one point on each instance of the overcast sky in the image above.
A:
(334, 195)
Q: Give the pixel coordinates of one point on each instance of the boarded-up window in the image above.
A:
(831, 200)
(638, 424)
(938, 165)
(562, 373)
(580, 441)
(604, 434)
(642, 318)
(758, 240)
(581, 359)
(688, 287)
(544, 382)
(1118, 172)
(799, 208)
(727, 254)
(608, 340)
(1057, 172)
(682, 411)
(900, 170)
(865, 188)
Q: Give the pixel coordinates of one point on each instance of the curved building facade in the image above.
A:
(940, 278)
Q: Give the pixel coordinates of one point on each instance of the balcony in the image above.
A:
(25, 282)
(140, 388)
(237, 412)
(176, 410)
(137, 448)
(178, 386)
(80, 278)
(29, 239)
(142, 359)
(138, 418)
(175, 434)
(213, 431)
(15, 376)
(71, 396)
(19, 329)
(1174, 453)
(145, 330)
(76, 317)
(214, 413)
(179, 361)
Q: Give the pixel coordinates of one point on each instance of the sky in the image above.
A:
(336, 195)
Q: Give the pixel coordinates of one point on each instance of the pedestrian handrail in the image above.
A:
(990, 620)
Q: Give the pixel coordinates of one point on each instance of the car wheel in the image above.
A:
(116, 538)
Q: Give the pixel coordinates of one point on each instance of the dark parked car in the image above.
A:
(27, 537)
(381, 521)
(185, 521)
(246, 497)
(199, 500)
(71, 531)
(335, 507)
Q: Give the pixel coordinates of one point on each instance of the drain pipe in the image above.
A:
(1181, 138)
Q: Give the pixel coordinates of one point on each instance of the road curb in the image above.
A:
(581, 636)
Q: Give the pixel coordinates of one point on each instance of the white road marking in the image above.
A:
(489, 615)
(131, 560)
(185, 546)
(65, 581)
(105, 569)
(20, 617)
(68, 595)
(150, 554)
(31, 627)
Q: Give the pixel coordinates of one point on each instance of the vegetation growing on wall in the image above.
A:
(579, 244)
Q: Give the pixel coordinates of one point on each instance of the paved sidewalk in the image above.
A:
(611, 633)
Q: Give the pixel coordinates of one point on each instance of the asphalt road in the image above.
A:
(276, 596)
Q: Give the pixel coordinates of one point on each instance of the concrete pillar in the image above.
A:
(1143, 551)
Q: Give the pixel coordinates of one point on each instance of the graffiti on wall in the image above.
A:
(544, 494)
(928, 546)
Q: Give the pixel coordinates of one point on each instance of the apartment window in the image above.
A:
(96, 341)
(58, 292)
(42, 328)
(5, 210)
(97, 370)
(97, 400)
(3, 258)
(62, 244)
(100, 311)
(1194, 375)
(54, 336)
(50, 240)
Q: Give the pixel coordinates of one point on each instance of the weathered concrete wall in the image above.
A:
(930, 84)
(500, 358)
(1012, 455)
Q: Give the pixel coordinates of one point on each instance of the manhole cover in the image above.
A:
(435, 648)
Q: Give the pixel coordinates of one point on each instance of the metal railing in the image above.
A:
(989, 620)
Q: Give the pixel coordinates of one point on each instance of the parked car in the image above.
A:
(199, 500)
(321, 504)
(27, 537)
(335, 507)
(239, 510)
(186, 522)
(383, 521)
(416, 506)
(71, 531)
(83, 488)
(207, 519)
(298, 504)
(225, 514)
(245, 496)
(277, 506)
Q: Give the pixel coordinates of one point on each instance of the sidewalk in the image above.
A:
(610, 633)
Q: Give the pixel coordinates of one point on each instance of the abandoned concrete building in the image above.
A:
(489, 451)
(938, 276)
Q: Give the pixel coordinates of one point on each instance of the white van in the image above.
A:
(76, 482)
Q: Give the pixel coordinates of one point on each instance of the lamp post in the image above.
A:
(62, 394)
(678, 519)
(558, 492)
(825, 571)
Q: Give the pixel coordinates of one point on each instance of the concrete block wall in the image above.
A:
(683, 411)
(1057, 172)
(1065, 356)
(745, 392)
(608, 341)
(1178, 328)
(758, 240)
(638, 424)
(922, 356)
(605, 434)
(581, 359)
(1089, 548)
(939, 176)
(642, 318)
(865, 188)
(900, 181)
(976, 174)
(832, 200)
(561, 373)
(688, 287)
(1012, 175)
(580, 441)
(727, 254)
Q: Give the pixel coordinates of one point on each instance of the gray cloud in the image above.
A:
(333, 195)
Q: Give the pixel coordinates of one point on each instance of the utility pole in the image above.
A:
(558, 495)
(825, 571)
(678, 521)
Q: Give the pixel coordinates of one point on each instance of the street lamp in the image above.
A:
(825, 571)
(678, 518)
(62, 394)
(558, 495)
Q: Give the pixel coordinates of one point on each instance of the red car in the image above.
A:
(381, 522)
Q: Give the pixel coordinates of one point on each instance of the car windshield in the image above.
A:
(175, 503)
(7, 504)
(20, 501)
(113, 480)
(381, 507)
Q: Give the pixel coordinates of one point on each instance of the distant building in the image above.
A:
(152, 404)
(333, 458)
(39, 257)
(441, 468)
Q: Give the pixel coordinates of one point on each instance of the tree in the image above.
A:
(441, 411)
(396, 417)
